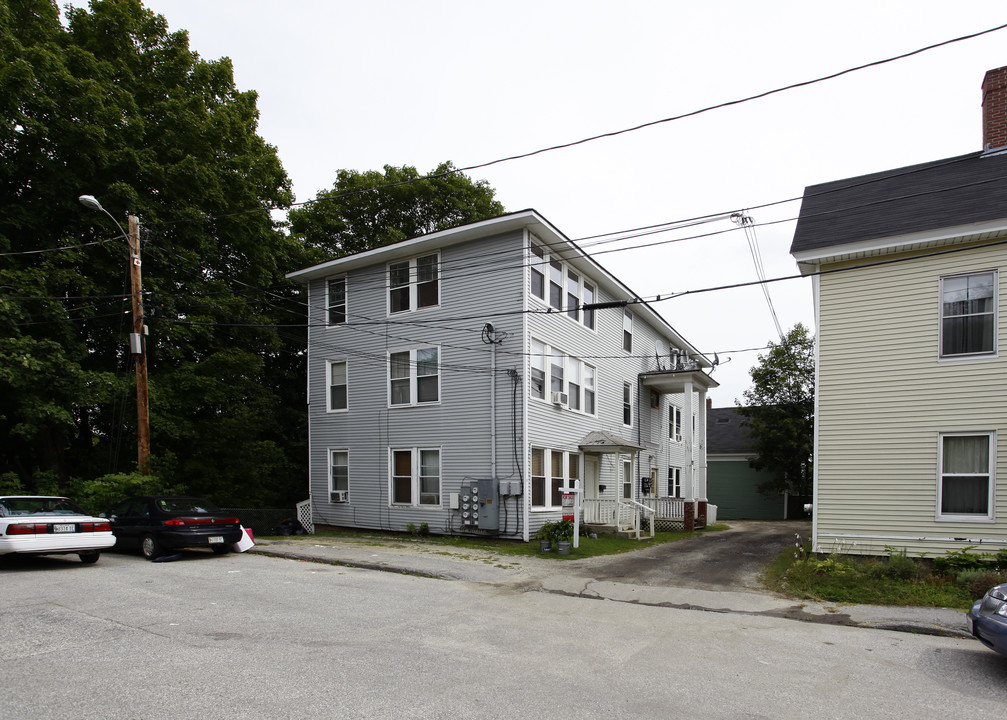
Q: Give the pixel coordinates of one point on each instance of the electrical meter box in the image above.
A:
(479, 504)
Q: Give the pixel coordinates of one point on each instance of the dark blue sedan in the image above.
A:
(987, 620)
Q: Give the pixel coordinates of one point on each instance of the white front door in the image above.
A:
(591, 477)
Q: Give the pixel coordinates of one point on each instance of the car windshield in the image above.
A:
(186, 506)
(15, 506)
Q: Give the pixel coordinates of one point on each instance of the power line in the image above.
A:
(614, 133)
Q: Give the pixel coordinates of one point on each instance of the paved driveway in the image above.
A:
(729, 559)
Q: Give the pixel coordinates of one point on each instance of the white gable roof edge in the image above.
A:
(529, 220)
(807, 260)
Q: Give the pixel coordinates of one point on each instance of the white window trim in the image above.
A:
(675, 411)
(550, 354)
(568, 482)
(328, 303)
(990, 515)
(413, 384)
(415, 477)
(413, 285)
(624, 402)
(332, 487)
(674, 481)
(328, 385)
(960, 357)
(543, 266)
(626, 466)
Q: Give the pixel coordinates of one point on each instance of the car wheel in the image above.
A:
(89, 557)
(150, 547)
(220, 549)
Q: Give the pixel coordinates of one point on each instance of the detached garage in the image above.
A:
(731, 484)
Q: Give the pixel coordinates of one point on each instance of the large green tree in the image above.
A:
(113, 104)
(780, 408)
(364, 210)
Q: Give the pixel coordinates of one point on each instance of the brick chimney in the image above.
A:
(995, 109)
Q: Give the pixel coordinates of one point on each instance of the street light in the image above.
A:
(137, 344)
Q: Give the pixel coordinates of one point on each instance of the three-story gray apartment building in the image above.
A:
(463, 379)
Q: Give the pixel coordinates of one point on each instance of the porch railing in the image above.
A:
(633, 512)
(664, 513)
(622, 514)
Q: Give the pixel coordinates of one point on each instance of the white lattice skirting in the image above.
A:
(304, 516)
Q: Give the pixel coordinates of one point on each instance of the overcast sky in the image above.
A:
(364, 84)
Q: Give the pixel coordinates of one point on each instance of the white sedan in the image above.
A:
(37, 525)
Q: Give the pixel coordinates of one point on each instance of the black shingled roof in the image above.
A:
(943, 193)
(727, 432)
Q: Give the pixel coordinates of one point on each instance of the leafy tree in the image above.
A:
(780, 408)
(114, 105)
(364, 210)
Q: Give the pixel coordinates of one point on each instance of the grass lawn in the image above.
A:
(954, 581)
(589, 547)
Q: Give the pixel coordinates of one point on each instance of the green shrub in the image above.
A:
(978, 580)
(901, 566)
(954, 561)
(99, 495)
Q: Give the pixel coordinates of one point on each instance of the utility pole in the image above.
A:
(138, 346)
(138, 338)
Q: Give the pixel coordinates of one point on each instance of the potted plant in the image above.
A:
(544, 537)
(562, 531)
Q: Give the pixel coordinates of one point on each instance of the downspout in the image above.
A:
(525, 363)
(493, 406)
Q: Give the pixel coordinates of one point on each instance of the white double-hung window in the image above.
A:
(674, 423)
(415, 477)
(968, 315)
(554, 375)
(555, 283)
(339, 476)
(552, 472)
(965, 479)
(414, 376)
(335, 301)
(337, 390)
(414, 283)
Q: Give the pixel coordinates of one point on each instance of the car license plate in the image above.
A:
(63, 528)
(216, 539)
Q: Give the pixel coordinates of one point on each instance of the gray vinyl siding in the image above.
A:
(563, 429)
(477, 283)
(482, 279)
(885, 397)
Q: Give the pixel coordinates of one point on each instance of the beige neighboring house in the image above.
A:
(911, 392)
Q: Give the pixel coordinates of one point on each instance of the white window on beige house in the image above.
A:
(965, 479)
(968, 315)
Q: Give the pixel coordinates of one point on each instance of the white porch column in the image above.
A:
(700, 454)
(689, 481)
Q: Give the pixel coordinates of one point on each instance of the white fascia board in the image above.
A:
(810, 260)
(408, 248)
(529, 220)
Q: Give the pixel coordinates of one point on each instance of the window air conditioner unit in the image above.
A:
(338, 496)
(560, 398)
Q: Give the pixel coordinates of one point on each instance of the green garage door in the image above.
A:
(731, 486)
